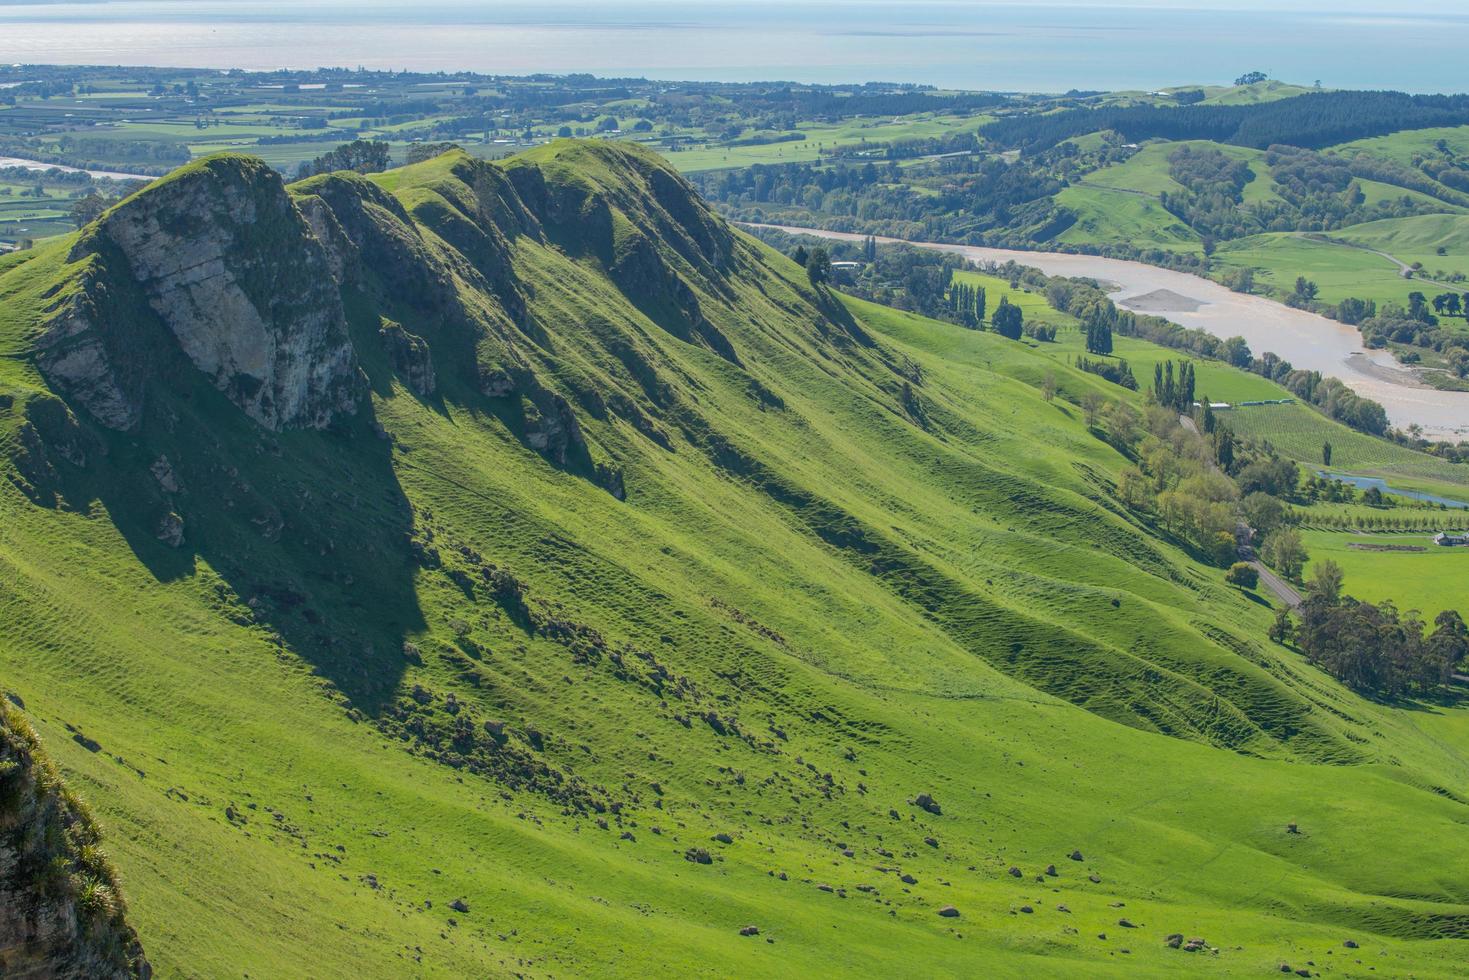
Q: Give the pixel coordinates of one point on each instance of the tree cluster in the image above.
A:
(1008, 320)
(1116, 371)
(363, 156)
(1099, 323)
(1175, 393)
(967, 304)
(1374, 647)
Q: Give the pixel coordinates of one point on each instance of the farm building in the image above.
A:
(1451, 540)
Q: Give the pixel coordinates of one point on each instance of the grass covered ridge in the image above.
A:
(859, 559)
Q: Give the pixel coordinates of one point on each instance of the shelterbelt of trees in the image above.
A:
(1314, 120)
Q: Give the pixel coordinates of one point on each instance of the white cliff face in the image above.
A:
(234, 272)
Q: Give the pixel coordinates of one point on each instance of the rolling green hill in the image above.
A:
(1417, 240)
(1409, 144)
(487, 569)
(1104, 215)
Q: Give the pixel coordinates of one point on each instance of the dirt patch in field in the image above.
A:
(1372, 546)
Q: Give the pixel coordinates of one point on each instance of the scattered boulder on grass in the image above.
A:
(750, 931)
(925, 801)
(1094, 879)
(1350, 944)
(1195, 944)
(1051, 871)
(949, 912)
(1076, 856)
(908, 880)
(698, 856)
(931, 841)
(1026, 909)
(1174, 940)
(724, 838)
(459, 905)
(1126, 923)
(1014, 872)
(1291, 828)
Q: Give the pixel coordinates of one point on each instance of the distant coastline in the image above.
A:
(1007, 47)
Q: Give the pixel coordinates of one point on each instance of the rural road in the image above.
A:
(1404, 269)
(1282, 589)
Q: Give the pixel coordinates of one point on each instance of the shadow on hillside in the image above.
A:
(309, 530)
(1441, 700)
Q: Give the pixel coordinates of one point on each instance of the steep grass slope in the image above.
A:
(608, 588)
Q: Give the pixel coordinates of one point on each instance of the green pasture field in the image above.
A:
(1430, 581)
(1339, 271)
(821, 136)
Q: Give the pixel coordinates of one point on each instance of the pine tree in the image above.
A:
(1224, 447)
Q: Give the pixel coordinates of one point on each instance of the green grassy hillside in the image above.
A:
(1104, 215)
(647, 614)
(1411, 144)
(1417, 240)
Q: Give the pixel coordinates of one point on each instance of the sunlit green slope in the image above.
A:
(676, 559)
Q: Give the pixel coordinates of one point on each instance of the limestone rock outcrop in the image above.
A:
(224, 260)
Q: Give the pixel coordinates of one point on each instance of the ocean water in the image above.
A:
(1086, 44)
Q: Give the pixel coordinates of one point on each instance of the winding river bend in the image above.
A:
(1305, 339)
